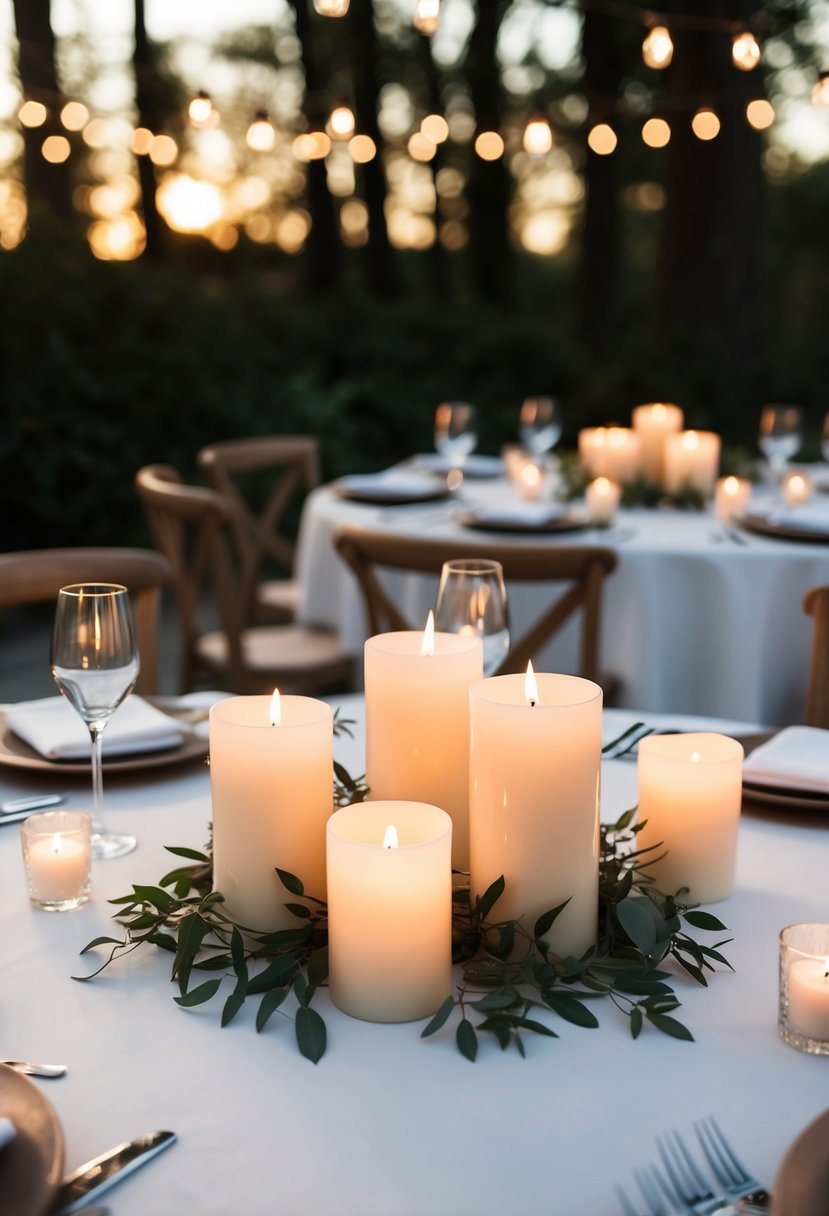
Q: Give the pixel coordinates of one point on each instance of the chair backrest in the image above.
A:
(816, 603)
(197, 529)
(293, 463)
(35, 576)
(583, 568)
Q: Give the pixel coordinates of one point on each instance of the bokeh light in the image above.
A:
(56, 149)
(656, 133)
(362, 149)
(760, 114)
(705, 124)
(658, 47)
(745, 51)
(189, 205)
(32, 114)
(74, 116)
(602, 139)
(489, 145)
(435, 127)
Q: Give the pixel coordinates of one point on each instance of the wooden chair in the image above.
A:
(235, 467)
(584, 568)
(816, 603)
(35, 576)
(198, 529)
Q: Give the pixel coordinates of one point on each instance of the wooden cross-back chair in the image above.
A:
(816, 604)
(292, 463)
(35, 576)
(583, 568)
(199, 530)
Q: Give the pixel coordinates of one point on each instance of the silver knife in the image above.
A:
(21, 808)
(103, 1172)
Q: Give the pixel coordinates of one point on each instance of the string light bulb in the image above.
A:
(538, 137)
(657, 47)
(200, 109)
(745, 51)
(705, 124)
(340, 123)
(261, 136)
(602, 139)
(820, 92)
(32, 113)
(759, 113)
(331, 8)
(426, 16)
(656, 133)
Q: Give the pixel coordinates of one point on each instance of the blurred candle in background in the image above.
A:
(692, 461)
(602, 499)
(731, 497)
(653, 423)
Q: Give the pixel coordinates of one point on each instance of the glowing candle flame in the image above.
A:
(427, 646)
(690, 440)
(731, 485)
(695, 757)
(276, 708)
(57, 844)
(390, 838)
(531, 685)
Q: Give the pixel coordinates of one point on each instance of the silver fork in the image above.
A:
(729, 1171)
(687, 1180)
(656, 1191)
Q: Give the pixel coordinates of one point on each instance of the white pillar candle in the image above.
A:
(56, 855)
(653, 423)
(417, 723)
(592, 450)
(690, 790)
(731, 497)
(602, 498)
(272, 788)
(804, 987)
(389, 910)
(692, 460)
(797, 488)
(610, 451)
(534, 801)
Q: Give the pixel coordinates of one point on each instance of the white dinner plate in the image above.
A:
(777, 795)
(474, 466)
(531, 517)
(379, 490)
(767, 525)
(31, 1164)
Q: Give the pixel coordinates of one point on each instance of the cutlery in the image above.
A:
(36, 1070)
(729, 1171)
(99, 1174)
(19, 807)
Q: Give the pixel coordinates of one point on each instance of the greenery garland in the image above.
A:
(508, 969)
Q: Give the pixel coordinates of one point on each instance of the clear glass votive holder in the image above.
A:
(803, 1018)
(57, 856)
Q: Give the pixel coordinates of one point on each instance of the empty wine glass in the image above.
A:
(540, 424)
(456, 431)
(780, 436)
(95, 665)
(472, 599)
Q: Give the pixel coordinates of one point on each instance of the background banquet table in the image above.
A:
(693, 621)
(385, 1124)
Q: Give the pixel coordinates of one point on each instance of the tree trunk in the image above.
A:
(47, 186)
(323, 251)
(710, 305)
(489, 192)
(147, 117)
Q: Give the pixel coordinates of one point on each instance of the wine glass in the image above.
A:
(780, 436)
(540, 425)
(95, 664)
(472, 599)
(456, 431)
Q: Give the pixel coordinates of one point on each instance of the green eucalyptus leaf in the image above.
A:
(300, 910)
(165, 941)
(497, 1000)
(318, 967)
(636, 1021)
(290, 881)
(193, 854)
(546, 921)
(489, 899)
(310, 1033)
(102, 941)
(269, 1004)
(670, 1026)
(191, 933)
(159, 898)
(232, 1005)
(439, 1018)
(301, 988)
(199, 995)
(500, 1027)
(466, 1039)
(279, 972)
(703, 920)
(572, 1010)
(637, 922)
(537, 1027)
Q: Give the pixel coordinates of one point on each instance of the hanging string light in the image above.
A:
(759, 114)
(705, 124)
(74, 116)
(657, 47)
(331, 8)
(426, 16)
(56, 149)
(32, 114)
(538, 137)
(602, 139)
(200, 109)
(820, 93)
(656, 133)
(489, 145)
(260, 136)
(340, 123)
(745, 51)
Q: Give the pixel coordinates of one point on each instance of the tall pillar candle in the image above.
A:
(389, 910)
(692, 461)
(417, 723)
(610, 451)
(690, 789)
(653, 423)
(535, 762)
(272, 794)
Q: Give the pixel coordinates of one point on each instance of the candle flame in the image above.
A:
(276, 708)
(602, 485)
(390, 838)
(690, 440)
(427, 646)
(695, 757)
(57, 844)
(731, 485)
(531, 685)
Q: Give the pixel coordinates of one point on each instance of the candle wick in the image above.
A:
(532, 703)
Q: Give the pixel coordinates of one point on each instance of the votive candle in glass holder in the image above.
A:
(602, 498)
(731, 495)
(796, 488)
(56, 856)
(803, 1017)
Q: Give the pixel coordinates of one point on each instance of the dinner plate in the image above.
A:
(766, 526)
(15, 753)
(31, 1165)
(494, 520)
(391, 492)
(473, 466)
(777, 795)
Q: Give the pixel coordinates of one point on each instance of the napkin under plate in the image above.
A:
(809, 517)
(53, 728)
(796, 758)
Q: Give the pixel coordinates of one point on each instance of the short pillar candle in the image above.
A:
(803, 1019)
(731, 497)
(653, 423)
(271, 784)
(535, 762)
(692, 460)
(601, 498)
(417, 722)
(389, 910)
(690, 790)
(56, 856)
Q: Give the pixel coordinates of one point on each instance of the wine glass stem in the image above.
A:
(96, 731)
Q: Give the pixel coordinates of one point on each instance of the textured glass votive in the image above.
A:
(56, 855)
(803, 1019)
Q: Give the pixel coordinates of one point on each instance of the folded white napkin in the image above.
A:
(796, 758)
(52, 727)
(531, 514)
(810, 517)
(7, 1131)
(394, 478)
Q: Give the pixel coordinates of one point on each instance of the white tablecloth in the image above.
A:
(385, 1124)
(693, 622)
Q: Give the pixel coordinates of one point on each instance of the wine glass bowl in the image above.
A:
(472, 600)
(780, 436)
(456, 431)
(94, 660)
(540, 424)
